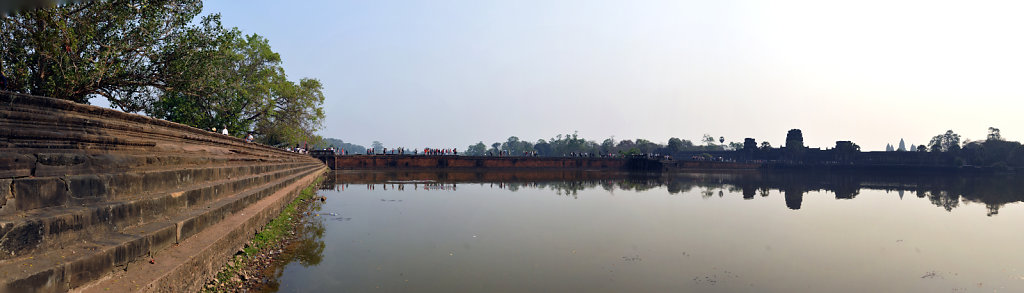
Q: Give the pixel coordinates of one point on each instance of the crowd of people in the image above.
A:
(224, 131)
(302, 149)
(440, 152)
(499, 153)
(404, 151)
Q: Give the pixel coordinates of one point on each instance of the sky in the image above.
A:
(450, 73)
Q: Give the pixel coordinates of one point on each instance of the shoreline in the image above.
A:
(256, 266)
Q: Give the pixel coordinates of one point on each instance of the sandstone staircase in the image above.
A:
(86, 192)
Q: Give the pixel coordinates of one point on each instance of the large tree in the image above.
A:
(949, 141)
(118, 49)
(478, 149)
(295, 115)
(149, 56)
(240, 84)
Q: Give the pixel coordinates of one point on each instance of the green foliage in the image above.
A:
(543, 148)
(478, 149)
(565, 144)
(151, 56)
(561, 145)
(674, 144)
(124, 50)
(296, 114)
(708, 140)
(946, 142)
(631, 151)
(992, 152)
(646, 146)
(280, 226)
(993, 134)
(341, 145)
(516, 147)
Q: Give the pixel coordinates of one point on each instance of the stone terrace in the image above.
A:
(87, 191)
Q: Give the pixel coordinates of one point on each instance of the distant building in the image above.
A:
(902, 147)
(844, 145)
(794, 139)
(749, 144)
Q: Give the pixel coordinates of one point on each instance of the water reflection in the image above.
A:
(944, 191)
(589, 231)
(306, 249)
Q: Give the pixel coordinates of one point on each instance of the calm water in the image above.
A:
(612, 232)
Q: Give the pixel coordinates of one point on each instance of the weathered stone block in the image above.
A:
(5, 192)
(21, 238)
(16, 165)
(34, 193)
(87, 186)
(59, 164)
(163, 237)
(51, 280)
(124, 212)
(129, 250)
(89, 268)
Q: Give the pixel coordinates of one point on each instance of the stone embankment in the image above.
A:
(336, 162)
(419, 176)
(95, 199)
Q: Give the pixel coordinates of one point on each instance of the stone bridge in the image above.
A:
(88, 196)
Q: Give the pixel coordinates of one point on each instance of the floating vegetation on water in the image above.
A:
(715, 277)
(932, 275)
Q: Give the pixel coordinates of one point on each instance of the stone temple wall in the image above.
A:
(85, 191)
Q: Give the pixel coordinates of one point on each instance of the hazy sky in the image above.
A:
(451, 73)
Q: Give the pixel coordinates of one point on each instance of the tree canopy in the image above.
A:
(153, 57)
(949, 141)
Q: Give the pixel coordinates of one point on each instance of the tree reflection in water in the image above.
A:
(945, 191)
(307, 247)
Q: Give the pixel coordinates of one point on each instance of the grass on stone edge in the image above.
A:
(272, 233)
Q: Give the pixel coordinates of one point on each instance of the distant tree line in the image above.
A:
(994, 151)
(339, 145)
(948, 149)
(563, 145)
(155, 57)
(944, 149)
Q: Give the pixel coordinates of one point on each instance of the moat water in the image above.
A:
(576, 231)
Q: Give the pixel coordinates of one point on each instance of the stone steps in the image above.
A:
(43, 123)
(187, 266)
(45, 228)
(71, 266)
(85, 189)
(43, 164)
(82, 189)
